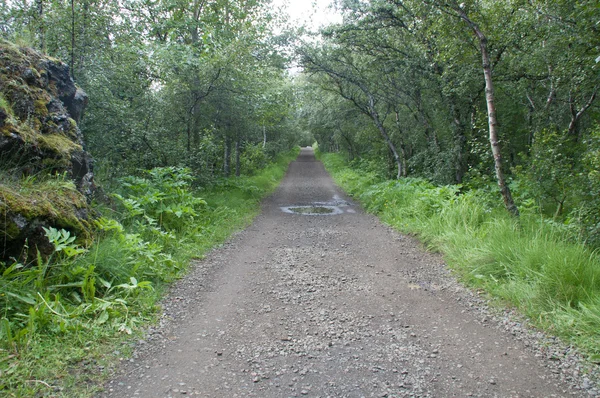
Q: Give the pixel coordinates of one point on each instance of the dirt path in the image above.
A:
(329, 306)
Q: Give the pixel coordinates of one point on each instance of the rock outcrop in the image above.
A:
(46, 176)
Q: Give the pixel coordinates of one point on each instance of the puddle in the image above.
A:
(313, 210)
(335, 206)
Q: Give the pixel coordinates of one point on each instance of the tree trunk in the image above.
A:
(491, 110)
(577, 114)
(72, 60)
(83, 37)
(237, 158)
(460, 141)
(424, 120)
(402, 150)
(383, 131)
(227, 158)
(40, 24)
(349, 142)
(493, 124)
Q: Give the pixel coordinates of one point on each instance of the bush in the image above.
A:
(163, 198)
(253, 159)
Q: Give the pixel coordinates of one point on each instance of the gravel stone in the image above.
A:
(338, 305)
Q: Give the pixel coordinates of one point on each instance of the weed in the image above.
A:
(87, 301)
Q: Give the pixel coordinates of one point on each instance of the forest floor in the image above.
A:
(335, 305)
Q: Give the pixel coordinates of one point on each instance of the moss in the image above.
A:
(40, 107)
(54, 201)
(38, 141)
(58, 144)
(12, 231)
(72, 125)
(9, 124)
(55, 165)
(9, 45)
(5, 105)
(9, 229)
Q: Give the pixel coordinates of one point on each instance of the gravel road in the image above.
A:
(336, 305)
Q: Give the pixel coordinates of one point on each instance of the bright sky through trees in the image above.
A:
(312, 13)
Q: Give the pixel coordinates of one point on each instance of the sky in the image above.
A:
(315, 13)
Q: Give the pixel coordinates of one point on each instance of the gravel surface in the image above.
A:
(337, 305)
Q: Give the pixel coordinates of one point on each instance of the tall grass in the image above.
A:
(67, 317)
(532, 263)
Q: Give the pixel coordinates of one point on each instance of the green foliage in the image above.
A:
(552, 173)
(587, 212)
(163, 198)
(419, 76)
(63, 242)
(253, 159)
(561, 181)
(535, 264)
(86, 299)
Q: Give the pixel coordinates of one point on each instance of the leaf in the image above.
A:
(9, 270)
(27, 300)
(102, 318)
(125, 329)
(105, 283)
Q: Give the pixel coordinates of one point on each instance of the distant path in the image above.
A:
(327, 306)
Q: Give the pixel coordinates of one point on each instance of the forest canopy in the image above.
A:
(201, 84)
(475, 93)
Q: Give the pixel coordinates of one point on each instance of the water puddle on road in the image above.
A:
(312, 210)
(333, 207)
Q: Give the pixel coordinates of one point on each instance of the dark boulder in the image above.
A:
(46, 176)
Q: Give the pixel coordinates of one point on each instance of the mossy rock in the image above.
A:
(46, 177)
(39, 107)
(26, 208)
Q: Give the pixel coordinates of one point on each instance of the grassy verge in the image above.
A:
(67, 320)
(533, 264)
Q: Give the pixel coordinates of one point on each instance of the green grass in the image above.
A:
(532, 264)
(68, 320)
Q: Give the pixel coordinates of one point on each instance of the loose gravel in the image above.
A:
(338, 305)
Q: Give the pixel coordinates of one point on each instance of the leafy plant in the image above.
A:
(163, 198)
(63, 242)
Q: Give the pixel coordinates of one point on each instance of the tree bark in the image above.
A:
(83, 37)
(369, 109)
(576, 115)
(491, 110)
(227, 158)
(402, 150)
(383, 131)
(460, 141)
(238, 170)
(72, 61)
(40, 25)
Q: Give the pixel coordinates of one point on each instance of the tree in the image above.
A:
(354, 86)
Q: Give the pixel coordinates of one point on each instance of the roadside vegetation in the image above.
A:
(67, 319)
(533, 263)
(473, 124)
(190, 122)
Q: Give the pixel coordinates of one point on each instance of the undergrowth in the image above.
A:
(534, 264)
(67, 319)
